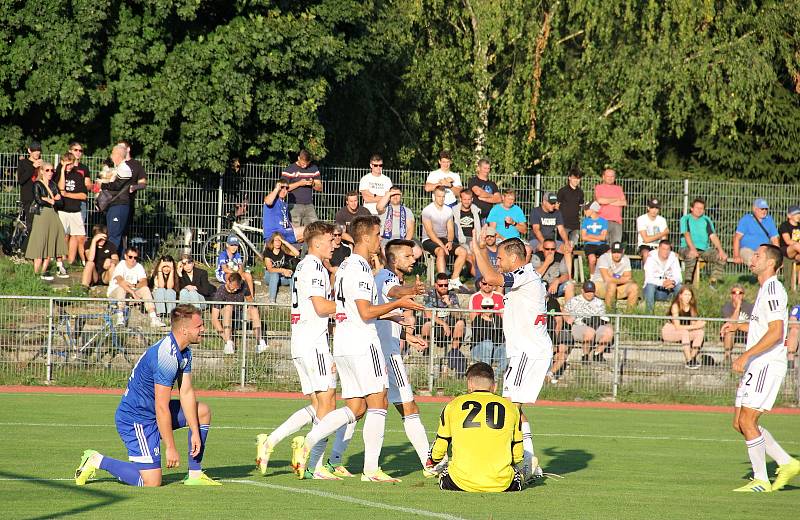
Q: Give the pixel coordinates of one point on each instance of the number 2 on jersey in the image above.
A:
(495, 415)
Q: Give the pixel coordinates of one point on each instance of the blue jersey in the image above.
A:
(276, 218)
(223, 259)
(161, 364)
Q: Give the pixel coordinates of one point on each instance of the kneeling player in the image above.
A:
(484, 435)
(146, 415)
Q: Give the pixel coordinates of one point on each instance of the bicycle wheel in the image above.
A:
(214, 246)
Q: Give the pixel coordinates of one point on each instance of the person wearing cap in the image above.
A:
(443, 177)
(193, 284)
(662, 275)
(27, 174)
(594, 234)
(612, 200)
(276, 215)
(740, 310)
(488, 344)
(553, 268)
(506, 218)
(302, 180)
(614, 279)
(485, 191)
(230, 261)
(754, 229)
(699, 240)
(586, 313)
(651, 229)
(374, 185)
(548, 223)
(789, 231)
(570, 202)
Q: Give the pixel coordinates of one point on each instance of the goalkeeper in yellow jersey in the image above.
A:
(484, 433)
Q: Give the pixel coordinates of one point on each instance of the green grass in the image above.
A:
(616, 464)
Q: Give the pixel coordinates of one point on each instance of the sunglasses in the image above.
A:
(77, 150)
(737, 292)
(48, 169)
(549, 248)
(441, 285)
(133, 257)
(337, 234)
(377, 165)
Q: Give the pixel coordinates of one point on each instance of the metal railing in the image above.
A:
(76, 341)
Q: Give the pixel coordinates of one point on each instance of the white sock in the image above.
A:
(757, 451)
(343, 436)
(374, 426)
(416, 433)
(329, 424)
(315, 459)
(527, 443)
(295, 421)
(774, 449)
(59, 263)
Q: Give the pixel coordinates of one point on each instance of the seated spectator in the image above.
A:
(789, 231)
(554, 270)
(754, 229)
(279, 258)
(490, 239)
(449, 325)
(101, 258)
(662, 275)
(163, 283)
(397, 220)
(348, 213)
(614, 278)
(438, 238)
(234, 291)
(560, 337)
(651, 228)
(230, 261)
(276, 217)
(488, 342)
(507, 218)
(737, 308)
(682, 328)
(446, 179)
(374, 185)
(594, 235)
(467, 218)
(548, 223)
(590, 328)
(697, 238)
(193, 283)
(130, 280)
(484, 190)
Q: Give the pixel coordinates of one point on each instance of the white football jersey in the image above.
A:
(770, 305)
(525, 314)
(388, 331)
(354, 281)
(309, 329)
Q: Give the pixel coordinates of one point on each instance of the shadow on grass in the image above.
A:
(567, 461)
(105, 498)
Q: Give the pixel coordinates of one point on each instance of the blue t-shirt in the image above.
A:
(594, 226)
(498, 215)
(275, 217)
(754, 236)
(223, 259)
(161, 364)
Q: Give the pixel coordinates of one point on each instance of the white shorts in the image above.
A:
(315, 369)
(400, 390)
(362, 375)
(524, 378)
(760, 385)
(73, 223)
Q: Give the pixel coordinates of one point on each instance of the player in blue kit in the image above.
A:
(146, 415)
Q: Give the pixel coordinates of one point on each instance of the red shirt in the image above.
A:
(609, 191)
(476, 299)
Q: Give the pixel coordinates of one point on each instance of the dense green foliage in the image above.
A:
(654, 88)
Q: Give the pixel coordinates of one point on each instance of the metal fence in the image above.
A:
(77, 341)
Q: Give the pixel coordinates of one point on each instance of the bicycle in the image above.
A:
(12, 245)
(216, 243)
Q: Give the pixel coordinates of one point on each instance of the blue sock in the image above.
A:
(194, 462)
(127, 472)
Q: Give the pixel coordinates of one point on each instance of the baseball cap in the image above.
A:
(617, 247)
(491, 231)
(233, 240)
(793, 210)
(35, 146)
(551, 197)
(594, 206)
(654, 203)
(760, 204)
(487, 303)
(589, 286)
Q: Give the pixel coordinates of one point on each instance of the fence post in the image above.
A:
(243, 371)
(219, 202)
(615, 383)
(49, 376)
(537, 193)
(430, 352)
(685, 196)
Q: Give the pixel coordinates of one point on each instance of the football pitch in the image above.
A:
(615, 464)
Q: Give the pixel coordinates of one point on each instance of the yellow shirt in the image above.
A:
(484, 433)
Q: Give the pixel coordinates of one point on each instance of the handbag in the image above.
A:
(104, 199)
(35, 208)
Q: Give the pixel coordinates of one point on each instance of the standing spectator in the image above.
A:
(138, 182)
(340, 251)
(547, 223)
(507, 218)
(754, 229)
(164, 284)
(614, 278)
(348, 213)
(612, 200)
(446, 179)
(739, 309)
(662, 275)
(682, 328)
(449, 325)
(488, 343)
(590, 328)
(27, 175)
(397, 220)
(651, 229)
(116, 177)
(276, 215)
(230, 261)
(553, 268)
(374, 185)
(193, 283)
(46, 238)
(101, 258)
(570, 203)
(72, 185)
(697, 237)
(467, 217)
(484, 190)
(490, 239)
(438, 238)
(231, 292)
(278, 260)
(79, 170)
(130, 279)
(790, 239)
(594, 235)
(302, 178)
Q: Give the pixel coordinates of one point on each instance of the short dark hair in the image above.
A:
(481, 370)
(514, 246)
(73, 144)
(235, 278)
(131, 249)
(483, 160)
(99, 228)
(445, 154)
(362, 226)
(316, 229)
(375, 157)
(351, 193)
(701, 200)
(466, 192)
(182, 313)
(441, 276)
(303, 155)
(391, 245)
(775, 254)
(575, 171)
(665, 241)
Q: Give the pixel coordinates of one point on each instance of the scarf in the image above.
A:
(388, 223)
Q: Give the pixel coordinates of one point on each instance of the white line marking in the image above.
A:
(34, 479)
(348, 499)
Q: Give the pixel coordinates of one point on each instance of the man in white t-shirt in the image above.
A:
(614, 279)
(763, 368)
(662, 275)
(445, 178)
(439, 238)
(356, 352)
(651, 228)
(130, 279)
(374, 185)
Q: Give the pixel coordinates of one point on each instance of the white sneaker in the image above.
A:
(228, 349)
(262, 346)
(61, 272)
(120, 319)
(46, 278)
(157, 323)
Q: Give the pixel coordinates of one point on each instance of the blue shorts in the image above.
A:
(143, 440)
(286, 233)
